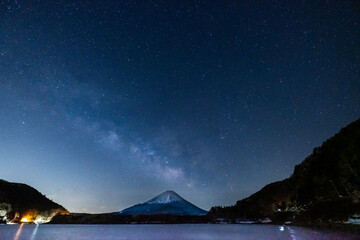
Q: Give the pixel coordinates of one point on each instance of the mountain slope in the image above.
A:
(20, 202)
(325, 186)
(167, 202)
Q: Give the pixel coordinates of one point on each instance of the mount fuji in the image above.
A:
(168, 202)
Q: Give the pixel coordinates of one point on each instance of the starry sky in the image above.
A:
(105, 104)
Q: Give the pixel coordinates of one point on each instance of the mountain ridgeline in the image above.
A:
(325, 187)
(22, 203)
(167, 207)
(168, 203)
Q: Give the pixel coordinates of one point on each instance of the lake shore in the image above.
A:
(110, 218)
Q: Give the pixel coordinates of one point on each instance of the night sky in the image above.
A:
(105, 104)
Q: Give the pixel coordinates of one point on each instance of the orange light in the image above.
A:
(24, 220)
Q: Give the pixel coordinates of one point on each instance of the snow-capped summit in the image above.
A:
(166, 197)
(168, 202)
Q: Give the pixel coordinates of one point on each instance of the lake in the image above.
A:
(166, 232)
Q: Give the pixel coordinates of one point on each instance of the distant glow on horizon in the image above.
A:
(39, 221)
(25, 220)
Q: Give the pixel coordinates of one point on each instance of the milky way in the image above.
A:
(106, 104)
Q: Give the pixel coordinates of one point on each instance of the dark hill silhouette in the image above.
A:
(324, 187)
(20, 201)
